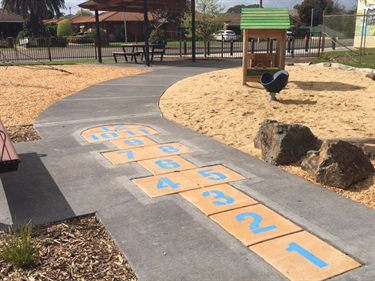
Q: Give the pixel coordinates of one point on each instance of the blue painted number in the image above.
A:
(166, 182)
(167, 164)
(169, 149)
(255, 225)
(133, 142)
(294, 247)
(212, 175)
(223, 200)
(109, 135)
(129, 154)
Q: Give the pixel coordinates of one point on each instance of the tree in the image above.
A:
(237, 8)
(64, 28)
(208, 19)
(319, 8)
(35, 10)
(83, 12)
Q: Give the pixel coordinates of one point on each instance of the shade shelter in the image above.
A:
(138, 6)
(269, 24)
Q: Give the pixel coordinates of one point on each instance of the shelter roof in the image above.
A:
(265, 18)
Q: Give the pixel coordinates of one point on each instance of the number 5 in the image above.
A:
(212, 175)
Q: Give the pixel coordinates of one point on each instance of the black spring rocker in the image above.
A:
(274, 83)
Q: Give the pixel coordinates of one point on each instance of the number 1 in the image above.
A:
(294, 247)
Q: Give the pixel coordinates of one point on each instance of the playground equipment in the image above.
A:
(274, 83)
(269, 24)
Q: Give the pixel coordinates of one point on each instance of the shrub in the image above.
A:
(64, 28)
(157, 36)
(18, 247)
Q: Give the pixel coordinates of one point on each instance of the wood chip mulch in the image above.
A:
(75, 249)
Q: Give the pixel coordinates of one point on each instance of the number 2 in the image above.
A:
(255, 225)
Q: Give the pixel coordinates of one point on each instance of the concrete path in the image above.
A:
(180, 205)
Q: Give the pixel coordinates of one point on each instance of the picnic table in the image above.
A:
(136, 50)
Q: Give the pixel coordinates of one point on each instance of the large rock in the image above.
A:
(283, 144)
(338, 163)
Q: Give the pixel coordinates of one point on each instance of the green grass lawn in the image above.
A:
(352, 58)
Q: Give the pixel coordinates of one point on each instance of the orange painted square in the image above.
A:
(212, 175)
(125, 156)
(165, 165)
(165, 184)
(107, 128)
(137, 132)
(101, 137)
(132, 142)
(166, 149)
(254, 224)
(218, 198)
(325, 262)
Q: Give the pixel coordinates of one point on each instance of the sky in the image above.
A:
(73, 4)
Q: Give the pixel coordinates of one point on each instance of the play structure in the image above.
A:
(274, 83)
(268, 25)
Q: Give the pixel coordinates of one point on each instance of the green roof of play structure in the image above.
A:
(265, 18)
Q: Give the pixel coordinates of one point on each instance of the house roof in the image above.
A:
(103, 17)
(133, 5)
(265, 18)
(6, 16)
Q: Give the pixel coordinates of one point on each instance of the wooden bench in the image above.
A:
(157, 49)
(133, 55)
(8, 156)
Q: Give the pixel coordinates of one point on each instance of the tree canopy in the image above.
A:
(34, 11)
(316, 8)
(237, 8)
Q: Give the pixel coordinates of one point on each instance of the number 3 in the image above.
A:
(219, 195)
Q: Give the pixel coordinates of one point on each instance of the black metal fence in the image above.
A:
(52, 49)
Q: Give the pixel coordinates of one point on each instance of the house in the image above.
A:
(10, 24)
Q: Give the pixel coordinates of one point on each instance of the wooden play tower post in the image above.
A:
(263, 23)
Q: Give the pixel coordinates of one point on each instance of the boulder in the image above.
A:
(371, 75)
(283, 144)
(338, 163)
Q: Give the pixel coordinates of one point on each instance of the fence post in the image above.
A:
(208, 48)
(306, 43)
(185, 48)
(333, 43)
(271, 46)
(49, 48)
(231, 48)
(252, 45)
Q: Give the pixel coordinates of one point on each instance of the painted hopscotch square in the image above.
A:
(101, 137)
(125, 156)
(165, 184)
(303, 256)
(168, 164)
(254, 224)
(166, 149)
(212, 175)
(137, 132)
(132, 142)
(218, 198)
(109, 128)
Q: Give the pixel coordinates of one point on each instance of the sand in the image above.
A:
(332, 102)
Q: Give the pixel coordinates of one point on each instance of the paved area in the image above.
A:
(180, 205)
